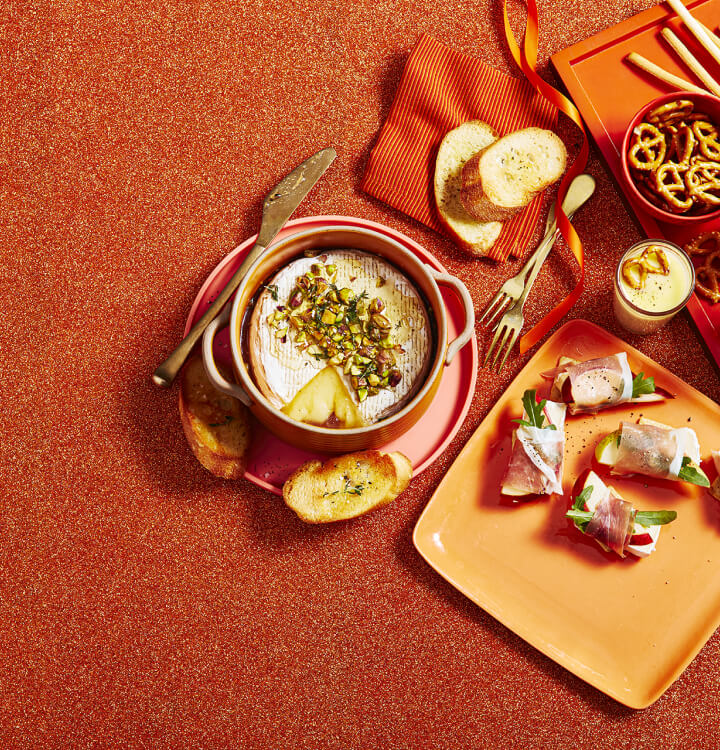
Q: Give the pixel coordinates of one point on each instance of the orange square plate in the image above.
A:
(627, 626)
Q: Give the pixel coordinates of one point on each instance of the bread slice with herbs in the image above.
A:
(216, 426)
(346, 486)
(456, 148)
(501, 179)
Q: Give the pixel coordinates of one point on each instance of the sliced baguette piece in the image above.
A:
(456, 148)
(216, 426)
(504, 177)
(346, 486)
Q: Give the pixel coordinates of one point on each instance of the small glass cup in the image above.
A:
(630, 313)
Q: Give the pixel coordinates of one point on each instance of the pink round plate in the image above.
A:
(272, 460)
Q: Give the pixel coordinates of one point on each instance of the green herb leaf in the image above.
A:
(581, 518)
(534, 411)
(642, 385)
(655, 517)
(582, 498)
(693, 474)
(577, 513)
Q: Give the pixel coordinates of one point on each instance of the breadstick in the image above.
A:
(663, 75)
(690, 60)
(696, 29)
(712, 36)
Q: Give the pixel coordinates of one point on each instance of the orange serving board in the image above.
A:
(609, 91)
(627, 626)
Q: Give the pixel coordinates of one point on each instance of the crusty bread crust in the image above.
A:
(501, 179)
(216, 426)
(455, 149)
(346, 486)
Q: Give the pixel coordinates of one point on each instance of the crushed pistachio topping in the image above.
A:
(348, 330)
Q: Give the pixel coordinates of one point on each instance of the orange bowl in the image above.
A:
(706, 103)
(324, 439)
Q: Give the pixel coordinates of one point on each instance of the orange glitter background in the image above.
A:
(144, 603)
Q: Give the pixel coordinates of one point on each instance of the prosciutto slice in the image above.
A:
(655, 451)
(612, 522)
(598, 383)
(536, 463)
(715, 486)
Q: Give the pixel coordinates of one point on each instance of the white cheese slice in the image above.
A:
(280, 370)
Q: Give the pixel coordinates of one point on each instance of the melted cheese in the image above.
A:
(281, 371)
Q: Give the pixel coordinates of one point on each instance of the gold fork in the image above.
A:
(508, 328)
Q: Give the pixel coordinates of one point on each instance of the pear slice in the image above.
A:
(606, 451)
(324, 397)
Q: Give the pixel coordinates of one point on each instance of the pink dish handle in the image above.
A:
(469, 330)
(231, 389)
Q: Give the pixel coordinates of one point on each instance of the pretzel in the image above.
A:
(670, 112)
(707, 278)
(682, 144)
(672, 188)
(634, 272)
(704, 244)
(649, 143)
(655, 260)
(707, 137)
(703, 183)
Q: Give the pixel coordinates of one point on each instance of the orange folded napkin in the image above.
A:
(440, 88)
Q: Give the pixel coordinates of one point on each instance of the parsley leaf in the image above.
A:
(642, 385)
(692, 474)
(534, 411)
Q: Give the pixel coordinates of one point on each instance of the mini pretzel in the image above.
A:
(703, 182)
(706, 278)
(647, 151)
(634, 271)
(671, 186)
(682, 144)
(655, 260)
(671, 112)
(707, 243)
(707, 137)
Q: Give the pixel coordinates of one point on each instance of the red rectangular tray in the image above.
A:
(609, 91)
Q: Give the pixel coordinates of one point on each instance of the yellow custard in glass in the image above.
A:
(654, 280)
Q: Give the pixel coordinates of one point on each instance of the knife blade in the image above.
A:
(278, 207)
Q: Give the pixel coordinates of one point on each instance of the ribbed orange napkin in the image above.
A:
(441, 88)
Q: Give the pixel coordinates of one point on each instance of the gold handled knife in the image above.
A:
(279, 205)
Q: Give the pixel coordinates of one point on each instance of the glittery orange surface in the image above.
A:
(144, 603)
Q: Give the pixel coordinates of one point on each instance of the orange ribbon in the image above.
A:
(526, 60)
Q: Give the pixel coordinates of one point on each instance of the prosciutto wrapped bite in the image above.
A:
(538, 447)
(655, 450)
(715, 486)
(600, 383)
(614, 523)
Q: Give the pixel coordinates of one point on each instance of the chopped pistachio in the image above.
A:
(377, 305)
(362, 394)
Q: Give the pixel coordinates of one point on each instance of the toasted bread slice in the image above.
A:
(504, 177)
(456, 148)
(216, 425)
(346, 486)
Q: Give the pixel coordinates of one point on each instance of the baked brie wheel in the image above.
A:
(342, 339)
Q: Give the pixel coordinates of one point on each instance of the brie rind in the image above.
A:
(280, 369)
